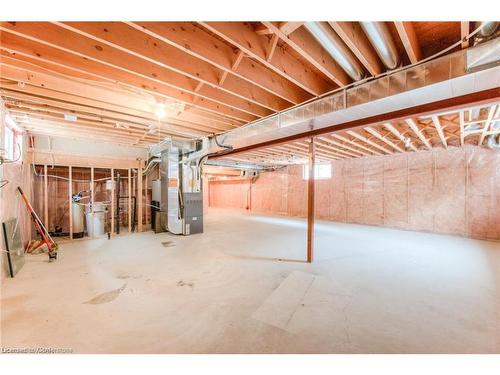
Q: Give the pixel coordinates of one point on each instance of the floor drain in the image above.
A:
(168, 244)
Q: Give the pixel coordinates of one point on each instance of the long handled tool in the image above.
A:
(51, 245)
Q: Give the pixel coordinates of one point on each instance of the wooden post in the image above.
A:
(310, 203)
(92, 198)
(112, 201)
(129, 201)
(70, 197)
(45, 198)
(92, 189)
(146, 198)
(139, 199)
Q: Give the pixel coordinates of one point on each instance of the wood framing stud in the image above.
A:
(464, 31)
(129, 201)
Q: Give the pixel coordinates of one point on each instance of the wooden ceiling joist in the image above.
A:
(128, 39)
(243, 36)
(384, 139)
(353, 36)
(409, 38)
(487, 124)
(413, 126)
(307, 47)
(368, 141)
(356, 144)
(406, 141)
(134, 69)
(439, 130)
(197, 42)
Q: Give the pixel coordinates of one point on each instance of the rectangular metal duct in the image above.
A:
(453, 75)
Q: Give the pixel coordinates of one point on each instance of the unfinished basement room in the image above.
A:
(321, 187)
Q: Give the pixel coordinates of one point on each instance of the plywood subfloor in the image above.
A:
(237, 289)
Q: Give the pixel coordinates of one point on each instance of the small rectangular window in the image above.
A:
(13, 139)
(9, 143)
(322, 171)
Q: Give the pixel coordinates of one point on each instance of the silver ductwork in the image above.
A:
(487, 28)
(336, 48)
(380, 38)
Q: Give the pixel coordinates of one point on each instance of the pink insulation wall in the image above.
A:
(455, 191)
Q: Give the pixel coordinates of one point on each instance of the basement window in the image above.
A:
(13, 140)
(322, 171)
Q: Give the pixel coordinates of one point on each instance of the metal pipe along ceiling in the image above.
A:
(488, 28)
(336, 48)
(379, 36)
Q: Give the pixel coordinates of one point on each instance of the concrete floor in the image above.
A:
(241, 287)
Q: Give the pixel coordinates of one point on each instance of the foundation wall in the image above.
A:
(11, 206)
(453, 191)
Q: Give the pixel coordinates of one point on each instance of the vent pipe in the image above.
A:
(487, 29)
(336, 48)
(380, 38)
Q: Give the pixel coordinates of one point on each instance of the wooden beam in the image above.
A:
(194, 40)
(112, 201)
(310, 202)
(243, 36)
(353, 36)
(368, 141)
(20, 101)
(486, 126)
(356, 152)
(306, 46)
(69, 103)
(289, 27)
(414, 127)
(140, 197)
(439, 129)
(406, 141)
(379, 136)
(410, 42)
(357, 144)
(130, 40)
(32, 77)
(464, 31)
(70, 198)
(129, 201)
(45, 198)
(321, 145)
(115, 65)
